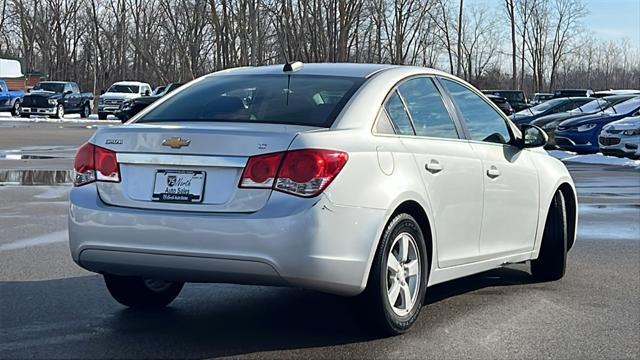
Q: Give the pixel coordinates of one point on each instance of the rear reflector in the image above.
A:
(94, 163)
(304, 172)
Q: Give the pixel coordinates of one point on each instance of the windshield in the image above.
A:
(592, 106)
(281, 99)
(53, 87)
(127, 89)
(625, 107)
(540, 108)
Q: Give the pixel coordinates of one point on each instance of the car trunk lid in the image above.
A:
(206, 161)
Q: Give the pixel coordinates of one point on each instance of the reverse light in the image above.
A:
(305, 172)
(93, 163)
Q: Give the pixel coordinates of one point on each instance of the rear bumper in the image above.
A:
(309, 243)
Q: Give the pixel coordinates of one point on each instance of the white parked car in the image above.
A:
(353, 179)
(120, 91)
(621, 138)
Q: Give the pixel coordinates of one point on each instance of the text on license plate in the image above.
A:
(179, 186)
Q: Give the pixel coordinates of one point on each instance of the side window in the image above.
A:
(74, 88)
(398, 115)
(3, 86)
(383, 124)
(424, 102)
(67, 87)
(483, 122)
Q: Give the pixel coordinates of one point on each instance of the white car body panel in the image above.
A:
(327, 242)
(625, 145)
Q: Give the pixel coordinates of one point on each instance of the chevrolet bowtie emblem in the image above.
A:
(176, 142)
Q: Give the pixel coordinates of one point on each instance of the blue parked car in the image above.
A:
(581, 134)
(10, 99)
(552, 106)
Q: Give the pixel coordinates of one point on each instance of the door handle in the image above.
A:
(493, 172)
(433, 167)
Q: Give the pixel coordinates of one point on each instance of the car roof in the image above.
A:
(56, 82)
(129, 83)
(326, 69)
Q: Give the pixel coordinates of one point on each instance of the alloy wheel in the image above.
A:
(403, 274)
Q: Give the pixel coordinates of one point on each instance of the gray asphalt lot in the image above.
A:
(50, 308)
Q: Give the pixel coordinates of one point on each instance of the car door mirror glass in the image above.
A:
(533, 136)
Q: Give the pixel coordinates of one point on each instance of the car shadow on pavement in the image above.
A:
(75, 317)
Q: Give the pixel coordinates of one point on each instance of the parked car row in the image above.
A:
(585, 125)
(57, 98)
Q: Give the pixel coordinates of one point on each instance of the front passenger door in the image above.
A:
(511, 200)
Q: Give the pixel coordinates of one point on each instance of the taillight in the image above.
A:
(304, 172)
(94, 163)
(261, 171)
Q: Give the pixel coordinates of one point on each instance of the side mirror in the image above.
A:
(532, 136)
(102, 91)
(147, 93)
(68, 92)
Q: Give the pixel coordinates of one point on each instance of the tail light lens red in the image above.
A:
(304, 172)
(94, 163)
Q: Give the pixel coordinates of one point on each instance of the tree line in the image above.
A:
(534, 45)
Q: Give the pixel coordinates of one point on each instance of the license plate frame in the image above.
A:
(179, 186)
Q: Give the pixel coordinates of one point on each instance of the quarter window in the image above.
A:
(398, 115)
(428, 112)
(483, 122)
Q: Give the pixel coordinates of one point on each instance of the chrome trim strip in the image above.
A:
(183, 160)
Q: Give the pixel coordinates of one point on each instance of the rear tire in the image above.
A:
(102, 116)
(396, 317)
(136, 292)
(85, 112)
(552, 260)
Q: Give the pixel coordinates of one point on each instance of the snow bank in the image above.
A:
(599, 159)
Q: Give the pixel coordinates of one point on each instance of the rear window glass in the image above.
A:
(283, 99)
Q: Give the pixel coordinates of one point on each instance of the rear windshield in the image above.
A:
(282, 99)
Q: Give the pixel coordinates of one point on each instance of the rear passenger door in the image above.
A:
(511, 201)
(450, 170)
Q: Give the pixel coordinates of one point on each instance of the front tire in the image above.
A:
(59, 112)
(398, 278)
(15, 110)
(552, 260)
(136, 292)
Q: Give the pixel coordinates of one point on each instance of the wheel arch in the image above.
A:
(416, 210)
(571, 203)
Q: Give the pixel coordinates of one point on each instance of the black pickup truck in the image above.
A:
(56, 98)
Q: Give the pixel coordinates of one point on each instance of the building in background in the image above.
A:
(11, 73)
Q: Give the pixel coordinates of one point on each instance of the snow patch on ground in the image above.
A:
(72, 118)
(567, 156)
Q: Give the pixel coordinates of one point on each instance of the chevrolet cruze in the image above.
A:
(353, 179)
